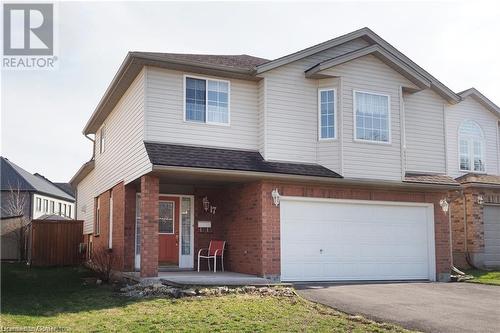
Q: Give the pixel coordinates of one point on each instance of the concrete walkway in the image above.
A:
(427, 307)
(206, 278)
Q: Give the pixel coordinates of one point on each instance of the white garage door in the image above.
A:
(492, 236)
(326, 239)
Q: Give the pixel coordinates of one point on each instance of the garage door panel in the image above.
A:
(354, 241)
(492, 236)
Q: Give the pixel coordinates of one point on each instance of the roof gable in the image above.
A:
(28, 181)
(373, 38)
(481, 99)
(377, 51)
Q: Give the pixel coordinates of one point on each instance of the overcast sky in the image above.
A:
(44, 112)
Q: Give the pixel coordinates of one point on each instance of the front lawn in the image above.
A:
(56, 297)
(485, 277)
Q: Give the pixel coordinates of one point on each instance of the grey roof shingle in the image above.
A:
(241, 61)
(430, 179)
(66, 187)
(16, 176)
(228, 159)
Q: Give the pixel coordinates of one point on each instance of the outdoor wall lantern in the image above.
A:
(480, 199)
(206, 204)
(445, 206)
(276, 197)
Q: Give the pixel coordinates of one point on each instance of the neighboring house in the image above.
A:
(40, 195)
(473, 135)
(25, 197)
(326, 164)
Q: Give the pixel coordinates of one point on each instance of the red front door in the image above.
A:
(168, 230)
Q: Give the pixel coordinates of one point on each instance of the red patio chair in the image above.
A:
(215, 249)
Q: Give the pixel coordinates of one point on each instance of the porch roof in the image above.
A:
(228, 159)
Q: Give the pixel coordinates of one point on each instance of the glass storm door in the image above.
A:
(186, 256)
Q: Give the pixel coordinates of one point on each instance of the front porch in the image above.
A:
(176, 217)
(204, 278)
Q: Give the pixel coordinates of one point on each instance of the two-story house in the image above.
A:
(326, 164)
(473, 136)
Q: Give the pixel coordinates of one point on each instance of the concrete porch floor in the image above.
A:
(204, 278)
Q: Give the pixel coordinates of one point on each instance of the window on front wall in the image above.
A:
(326, 113)
(52, 207)
(102, 140)
(372, 117)
(45, 205)
(166, 217)
(471, 145)
(207, 101)
(38, 204)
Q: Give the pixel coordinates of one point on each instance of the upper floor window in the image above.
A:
(52, 206)
(471, 144)
(207, 100)
(102, 140)
(327, 112)
(45, 205)
(38, 204)
(372, 115)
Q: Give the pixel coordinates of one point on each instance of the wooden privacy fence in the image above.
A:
(55, 242)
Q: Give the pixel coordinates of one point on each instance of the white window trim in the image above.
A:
(334, 113)
(38, 204)
(97, 232)
(173, 218)
(206, 122)
(471, 158)
(389, 117)
(102, 140)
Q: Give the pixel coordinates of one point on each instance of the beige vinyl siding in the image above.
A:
(425, 139)
(364, 159)
(261, 117)
(165, 113)
(86, 192)
(292, 107)
(124, 158)
(470, 109)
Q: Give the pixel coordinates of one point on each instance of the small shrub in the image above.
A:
(102, 263)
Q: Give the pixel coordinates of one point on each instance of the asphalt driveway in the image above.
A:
(427, 307)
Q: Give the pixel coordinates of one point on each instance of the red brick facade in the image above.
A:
(123, 226)
(245, 217)
(271, 216)
(472, 212)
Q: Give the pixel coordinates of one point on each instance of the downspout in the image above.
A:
(93, 144)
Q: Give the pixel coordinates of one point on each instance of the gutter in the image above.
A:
(304, 178)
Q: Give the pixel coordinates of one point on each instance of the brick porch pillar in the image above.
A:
(129, 228)
(149, 225)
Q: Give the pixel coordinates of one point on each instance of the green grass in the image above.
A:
(57, 297)
(485, 277)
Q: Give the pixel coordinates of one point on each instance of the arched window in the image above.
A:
(471, 142)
